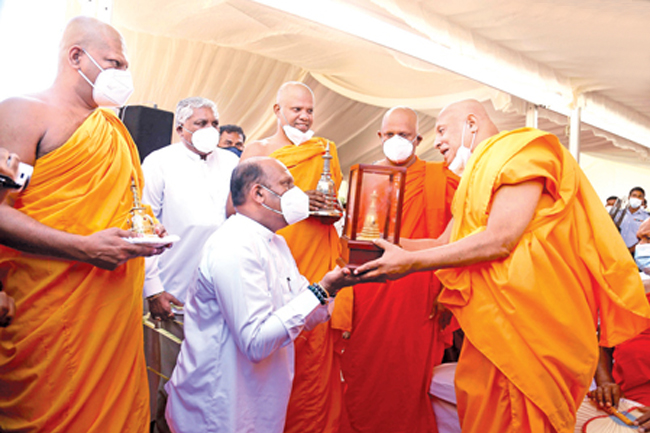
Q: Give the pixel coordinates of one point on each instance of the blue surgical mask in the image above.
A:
(234, 150)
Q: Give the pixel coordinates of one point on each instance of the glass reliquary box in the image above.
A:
(374, 210)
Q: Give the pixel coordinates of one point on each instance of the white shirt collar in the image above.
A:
(264, 232)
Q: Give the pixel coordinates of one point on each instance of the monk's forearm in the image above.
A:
(478, 248)
(24, 233)
(418, 244)
(424, 244)
(604, 369)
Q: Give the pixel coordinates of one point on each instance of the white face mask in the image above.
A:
(204, 140)
(457, 165)
(635, 203)
(398, 149)
(112, 87)
(295, 135)
(294, 204)
(642, 257)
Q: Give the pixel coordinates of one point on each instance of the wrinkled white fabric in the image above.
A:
(188, 196)
(236, 365)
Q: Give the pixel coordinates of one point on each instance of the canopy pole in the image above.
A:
(574, 133)
(532, 115)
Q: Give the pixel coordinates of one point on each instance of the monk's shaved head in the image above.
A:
(462, 109)
(295, 105)
(403, 114)
(465, 123)
(292, 89)
(399, 122)
(88, 33)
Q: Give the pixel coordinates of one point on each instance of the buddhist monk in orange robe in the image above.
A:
(396, 337)
(532, 266)
(315, 403)
(72, 358)
(624, 371)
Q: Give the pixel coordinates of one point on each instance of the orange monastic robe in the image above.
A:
(530, 319)
(396, 339)
(315, 403)
(72, 360)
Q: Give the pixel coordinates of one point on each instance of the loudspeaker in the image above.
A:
(150, 128)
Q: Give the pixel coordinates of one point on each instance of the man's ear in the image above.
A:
(418, 140)
(256, 193)
(276, 109)
(179, 129)
(74, 56)
(379, 135)
(472, 121)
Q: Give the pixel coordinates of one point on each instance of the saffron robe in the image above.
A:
(72, 360)
(530, 319)
(396, 339)
(315, 403)
(632, 367)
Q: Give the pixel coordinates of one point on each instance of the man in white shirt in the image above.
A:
(634, 216)
(236, 366)
(187, 185)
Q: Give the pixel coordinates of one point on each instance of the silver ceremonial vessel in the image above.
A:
(326, 186)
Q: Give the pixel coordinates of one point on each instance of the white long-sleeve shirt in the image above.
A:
(188, 196)
(236, 365)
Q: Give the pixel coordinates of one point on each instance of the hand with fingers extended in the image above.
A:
(392, 265)
(7, 309)
(160, 305)
(107, 249)
(606, 394)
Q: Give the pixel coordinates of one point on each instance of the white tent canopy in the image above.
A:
(580, 53)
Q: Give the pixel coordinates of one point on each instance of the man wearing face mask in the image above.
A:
(232, 138)
(187, 185)
(524, 275)
(634, 216)
(236, 364)
(315, 403)
(72, 359)
(398, 335)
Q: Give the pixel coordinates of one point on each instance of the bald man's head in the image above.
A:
(462, 109)
(295, 105)
(400, 122)
(89, 34)
(465, 123)
(404, 115)
(291, 89)
(256, 185)
(89, 46)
